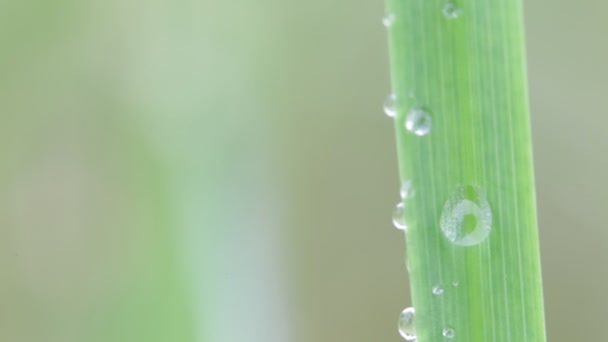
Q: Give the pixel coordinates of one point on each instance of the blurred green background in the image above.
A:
(221, 171)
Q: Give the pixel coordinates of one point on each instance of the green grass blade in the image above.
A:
(464, 63)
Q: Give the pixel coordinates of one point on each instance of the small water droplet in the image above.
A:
(466, 219)
(388, 20)
(390, 106)
(407, 190)
(437, 290)
(398, 216)
(449, 332)
(455, 283)
(451, 11)
(418, 121)
(406, 324)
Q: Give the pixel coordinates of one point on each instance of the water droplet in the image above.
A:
(390, 106)
(406, 324)
(451, 11)
(388, 20)
(466, 219)
(449, 332)
(407, 190)
(437, 290)
(398, 217)
(418, 121)
(455, 283)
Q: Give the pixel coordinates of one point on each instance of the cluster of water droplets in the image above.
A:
(466, 220)
(463, 201)
(438, 289)
(466, 217)
(407, 328)
(417, 121)
(406, 318)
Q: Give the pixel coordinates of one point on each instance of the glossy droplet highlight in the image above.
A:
(407, 190)
(455, 283)
(390, 106)
(437, 290)
(418, 121)
(398, 217)
(406, 324)
(388, 20)
(448, 332)
(451, 11)
(466, 219)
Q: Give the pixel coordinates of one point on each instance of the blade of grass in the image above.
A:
(463, 63)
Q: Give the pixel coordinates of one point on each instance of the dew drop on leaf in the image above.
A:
(399, 217)
(390, 106)
(466, 219)
(437, 290)
(407, 190)
(451, 11)
(448, 332)
(406, 324)
(388, 20)
(418, 121)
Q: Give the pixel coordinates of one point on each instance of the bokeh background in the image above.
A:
(191, 170)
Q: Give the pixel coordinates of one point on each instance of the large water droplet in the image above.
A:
(388, 20)
(406, 324)
(437, 290)
(466, 219)
(390, 106)
(448, 332)
(418, 121)
(407, 190)
(451, 11)
(399, 216)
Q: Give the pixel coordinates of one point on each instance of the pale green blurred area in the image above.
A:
(195, 171)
